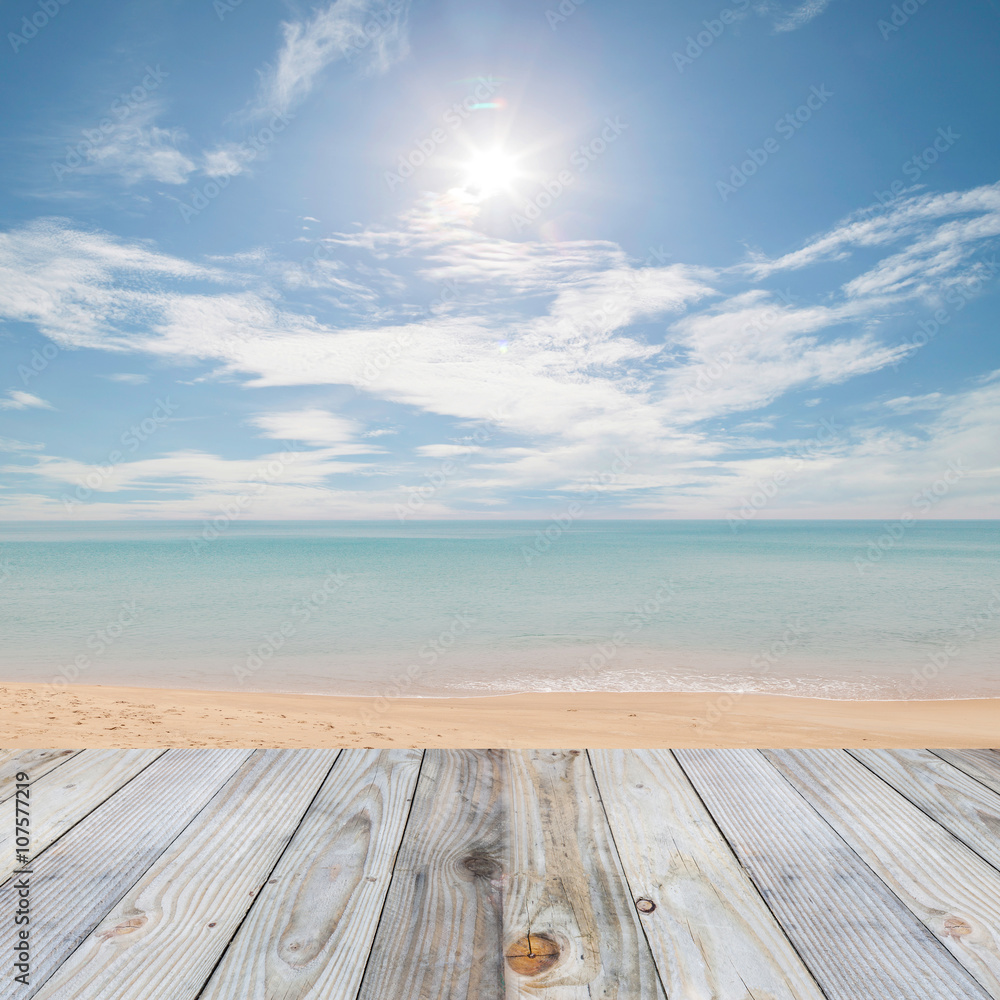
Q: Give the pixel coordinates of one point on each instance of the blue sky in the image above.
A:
(460, 259)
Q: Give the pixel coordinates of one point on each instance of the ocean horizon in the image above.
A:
(879, 610)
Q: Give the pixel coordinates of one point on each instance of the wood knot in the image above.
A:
(955, 927)
(125, 927)
(533, 955)
(644, 905)
(482, 866)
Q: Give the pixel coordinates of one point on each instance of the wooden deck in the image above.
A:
(489, 874)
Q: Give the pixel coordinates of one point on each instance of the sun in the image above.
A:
(490, 172)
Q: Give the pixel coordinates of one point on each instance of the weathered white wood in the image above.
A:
(84, 873)
(440, 934)
(67, 793)
(566, 884)
(506, 851)
(856, 937)
(711, 933)
(949, 887)
(163, 938)
(962, 805)
(309, 933)
(506, 887)
(34, 763)
(6, 755)
(983, 765)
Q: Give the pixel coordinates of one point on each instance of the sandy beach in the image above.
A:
(95, 716)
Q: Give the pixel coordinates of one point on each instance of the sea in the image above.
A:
(893, 610)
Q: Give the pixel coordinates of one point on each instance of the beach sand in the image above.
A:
(96, 716)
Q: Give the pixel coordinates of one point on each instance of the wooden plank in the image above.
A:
(856, 937)
(307, 937)
(711, 934)
(507, 886)
(163, 938)
(983, 765)
(35, 763)
(960, 803)
(83, 874)
(567, 885)
(949, 887)
(67, 793)
(441, 928)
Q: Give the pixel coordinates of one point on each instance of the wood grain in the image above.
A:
(566, 885)
(64, 795)
(950, 888)
(84, 873)
(856, 937)
(960, 803)
(441, 929)
(983, 765)
(710, 931)
(507, 885)
(162, 939)
(496, 875)
(308, 936)
(35, 763)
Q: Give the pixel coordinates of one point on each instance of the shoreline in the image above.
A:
(474, 695)
(96, 716)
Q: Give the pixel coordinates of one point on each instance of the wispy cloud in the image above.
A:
(565, 351)
(801, 15)
(316, 427)
(227, 160)
(140, 150)
(941, 231)
(81, 287)
(17, 399)
(913, 404)
(369, 30)
(11, 445)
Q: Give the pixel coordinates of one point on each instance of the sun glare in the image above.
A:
(488, 173)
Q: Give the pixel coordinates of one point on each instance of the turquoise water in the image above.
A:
(834, 609)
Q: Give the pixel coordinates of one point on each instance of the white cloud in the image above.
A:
(562, 351)
(140, 150)
(191, 470)
(943, 230)
(9, 444)
(446, 450)
(344, 29)
(911, 404)
(227, 159)
(336, 434)
(83, 288)
(749, 350)
(129, 378)
(801, 15)
(17, 399)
